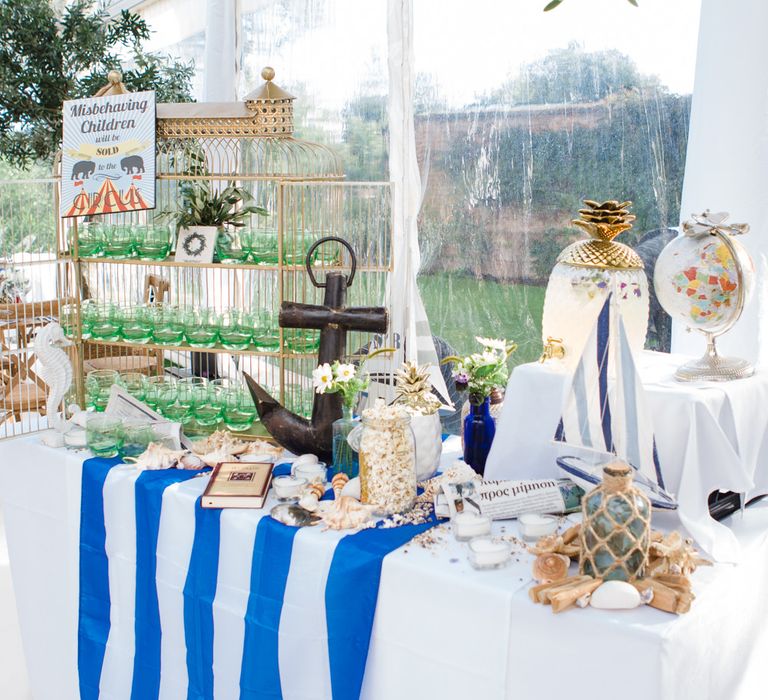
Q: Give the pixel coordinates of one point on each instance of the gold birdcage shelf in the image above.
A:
(300, 184)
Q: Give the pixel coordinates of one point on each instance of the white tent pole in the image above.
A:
(222, 51)
(727, 163)
(408, 319)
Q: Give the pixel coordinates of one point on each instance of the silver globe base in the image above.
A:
(714, 368)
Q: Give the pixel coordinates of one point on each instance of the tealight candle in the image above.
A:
(75, 439)
(535, 525)
(313, 473)
(469, 524)
(288, 487)
(485, 553)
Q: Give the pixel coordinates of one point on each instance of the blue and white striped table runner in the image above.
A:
(177, 601)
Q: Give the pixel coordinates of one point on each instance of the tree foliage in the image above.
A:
(46, 59)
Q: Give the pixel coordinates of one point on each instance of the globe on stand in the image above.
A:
(703, 279)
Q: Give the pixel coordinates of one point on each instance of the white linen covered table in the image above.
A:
(709, 435)
(441, 629)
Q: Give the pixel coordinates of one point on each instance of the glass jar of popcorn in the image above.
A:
(387, 459)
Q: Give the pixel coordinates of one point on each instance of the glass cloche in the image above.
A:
(703, 279)
(585, 274)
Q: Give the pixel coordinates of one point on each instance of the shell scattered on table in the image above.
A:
(309, 500)
(158, 456)
(294, 515)
(338, 483)
(550, 567)
(347, 513)
(317, 489)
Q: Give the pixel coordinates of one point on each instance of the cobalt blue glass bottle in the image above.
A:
(479, 429)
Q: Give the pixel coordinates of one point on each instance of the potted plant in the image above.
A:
(480, 374)
(209, 218)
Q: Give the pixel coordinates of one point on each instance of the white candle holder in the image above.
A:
(535, 525)
(467, 524)
(485, 553)
(288, 488)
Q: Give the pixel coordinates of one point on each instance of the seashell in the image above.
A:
(305, 459)
(317, 489)
(309, 501)
(191, 461)
(615, 595)
(352, 488)
(294, 515)
(219, 455)
(261, 448)
(158, 456)
(550, 567)
(220, 441)
(347, 513)
(338, 483)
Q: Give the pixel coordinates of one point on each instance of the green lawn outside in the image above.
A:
(462, 307)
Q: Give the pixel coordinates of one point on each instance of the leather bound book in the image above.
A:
(238, 485)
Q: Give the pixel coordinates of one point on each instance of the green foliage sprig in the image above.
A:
(46, 59)
(201, 206)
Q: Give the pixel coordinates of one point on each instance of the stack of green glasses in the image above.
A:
(90, 239)
(152, 242)
(111, 437)
(238, 411)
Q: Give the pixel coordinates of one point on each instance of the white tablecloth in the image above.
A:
(710, 436)
(441, 629)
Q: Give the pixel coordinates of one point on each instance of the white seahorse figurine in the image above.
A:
(56, 371)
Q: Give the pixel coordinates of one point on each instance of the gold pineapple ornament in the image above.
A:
(413, 391)
(585, 273)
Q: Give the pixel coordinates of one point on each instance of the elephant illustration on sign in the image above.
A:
(132, 164)
(83, 169)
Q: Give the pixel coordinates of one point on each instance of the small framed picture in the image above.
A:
(196, 244)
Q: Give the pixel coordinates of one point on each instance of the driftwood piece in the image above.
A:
(541, 593)
(666, 598)
(566, 597)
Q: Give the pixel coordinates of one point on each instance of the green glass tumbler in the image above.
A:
(201, 328)
(160, 392)
(239, 412)
(230, 248)
(106, 324)
(300, 340)
(137, 325)
(98, 386)
(236, 330)
(90, 239)
(89, 311)
(168, 325)
(208, 405)
(68, 316)
(153, 242)
(119, 242)
(137, 434)
(266, 335)
(103, 435)
(135, 384)
(262, 246)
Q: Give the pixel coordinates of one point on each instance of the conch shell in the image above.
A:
(347, 513)
(317, 489)
(262, 447)
(220, 441)
(674, 554)
(217, 456)
(550, 567)
(158, 456)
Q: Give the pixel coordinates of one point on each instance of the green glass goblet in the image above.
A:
(103, 435)
(201, 328)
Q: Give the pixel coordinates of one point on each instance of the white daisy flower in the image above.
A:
(489, 357)
(492, 343)
(322, 378)
(345, 372)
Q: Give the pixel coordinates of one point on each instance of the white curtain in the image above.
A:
(222, 32)
(727, 160)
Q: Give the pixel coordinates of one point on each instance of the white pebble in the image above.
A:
(615, 595)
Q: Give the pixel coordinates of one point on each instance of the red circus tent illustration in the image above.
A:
(133, 199)
(107, 200)
(80, 204)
